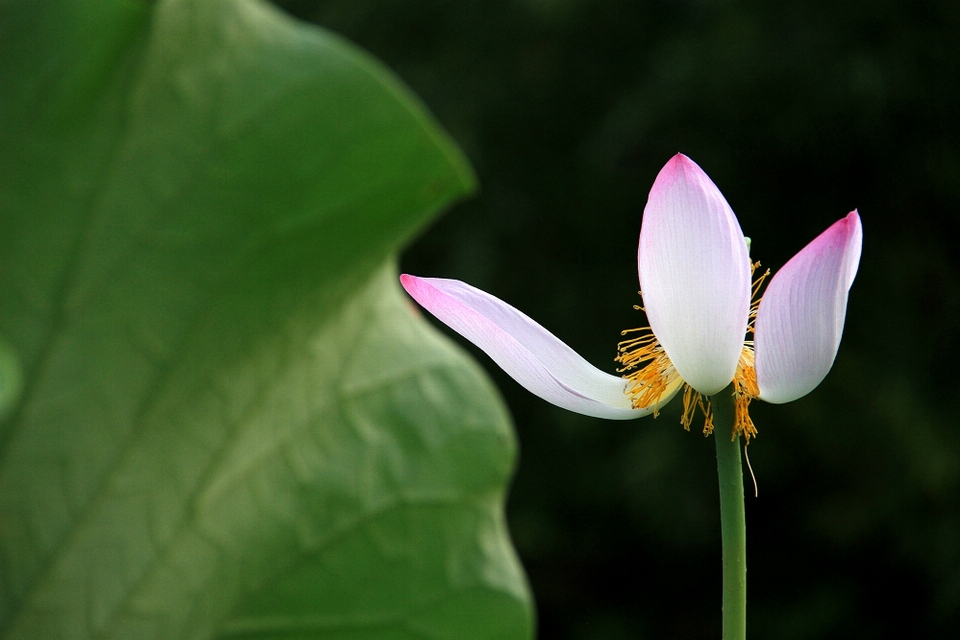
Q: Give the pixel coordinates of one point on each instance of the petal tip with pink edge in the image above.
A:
(694, 271)
(531, 355)
(801, 316)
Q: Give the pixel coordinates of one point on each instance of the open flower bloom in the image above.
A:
(696, 278)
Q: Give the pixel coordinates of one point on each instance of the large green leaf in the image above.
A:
(230, 422)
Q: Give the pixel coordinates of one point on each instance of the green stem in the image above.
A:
(733, 529)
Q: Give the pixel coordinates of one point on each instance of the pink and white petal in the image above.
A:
(801, 316)
(695, 273)
(530, 354)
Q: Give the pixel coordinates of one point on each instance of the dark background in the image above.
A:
(800, 112)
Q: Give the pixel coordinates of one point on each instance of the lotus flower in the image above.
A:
(696, 278)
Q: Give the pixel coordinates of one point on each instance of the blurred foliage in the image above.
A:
(11, 380)
(800, 112)
(231, 423)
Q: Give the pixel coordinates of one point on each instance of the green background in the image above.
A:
(800, 112)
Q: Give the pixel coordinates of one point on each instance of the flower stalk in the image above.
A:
(733, 530)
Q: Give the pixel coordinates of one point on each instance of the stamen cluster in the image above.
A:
(652, 378)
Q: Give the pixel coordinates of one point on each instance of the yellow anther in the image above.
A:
(651, 376)
(745, 389)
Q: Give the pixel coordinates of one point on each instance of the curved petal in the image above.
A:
(530, 354)
(695, 275)
(800, 319)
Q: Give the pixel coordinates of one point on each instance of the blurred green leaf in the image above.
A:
(232, 425)
(11, 381)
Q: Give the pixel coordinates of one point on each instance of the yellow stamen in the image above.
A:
(652, 377)
(652, 374)
(755, 304)
(745, 386)
(745, 389)
(693, 399)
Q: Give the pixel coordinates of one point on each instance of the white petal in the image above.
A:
(530, 354)
(800, 319)
(695, 275)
